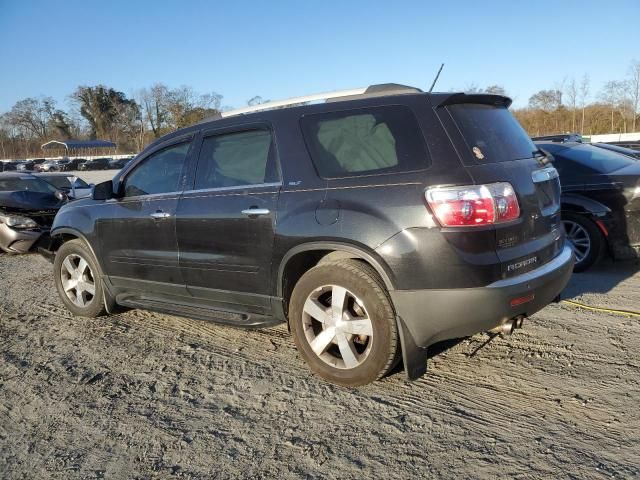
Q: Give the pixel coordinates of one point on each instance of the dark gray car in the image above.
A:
(376, 225)
(27, 207)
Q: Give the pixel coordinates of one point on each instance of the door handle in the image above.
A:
(251, 212)
(159, 215)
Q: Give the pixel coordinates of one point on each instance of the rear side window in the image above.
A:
(491, 132)
(368, 141)
(236, 159)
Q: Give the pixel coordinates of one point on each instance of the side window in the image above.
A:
(367, 141)
(236, 159)
(159, 173)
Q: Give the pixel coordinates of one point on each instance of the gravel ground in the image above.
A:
(145, 395)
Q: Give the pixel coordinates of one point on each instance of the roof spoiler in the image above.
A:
(444, 99)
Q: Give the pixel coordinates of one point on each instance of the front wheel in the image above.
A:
(343, 323)
(76, 275)
(585, 238)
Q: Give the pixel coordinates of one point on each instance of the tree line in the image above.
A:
(101, 112)
(571, 106)
(107, 114)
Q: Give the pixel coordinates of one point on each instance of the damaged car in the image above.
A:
(73, 186)
(28, 206)
(600, 201)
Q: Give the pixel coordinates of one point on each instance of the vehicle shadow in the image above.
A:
(602, 278)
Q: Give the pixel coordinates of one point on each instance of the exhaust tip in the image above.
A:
(509, 326)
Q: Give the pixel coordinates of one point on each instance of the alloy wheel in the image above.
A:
(337, 326)
(579, 239)
(78, 280)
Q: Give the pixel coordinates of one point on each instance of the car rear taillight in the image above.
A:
(473, 204)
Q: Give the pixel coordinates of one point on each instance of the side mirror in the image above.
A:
(103, 191)
(60, 195)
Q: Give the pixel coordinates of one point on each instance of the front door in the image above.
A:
(226, 222)
(139, 239)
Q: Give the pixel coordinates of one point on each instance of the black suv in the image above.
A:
(375, 224)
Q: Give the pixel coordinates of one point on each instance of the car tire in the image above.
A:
(342, 352)
(78, 280)
(586, 240)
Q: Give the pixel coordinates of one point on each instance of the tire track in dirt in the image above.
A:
(155, 395)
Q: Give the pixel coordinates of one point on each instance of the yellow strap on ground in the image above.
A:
(628, 313)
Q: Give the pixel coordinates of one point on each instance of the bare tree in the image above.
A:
(584, 94)
(496, 90)
(634, 84)
(546, 100)
(571, 92)
(616, 94)
(32, 116)
(155, 101)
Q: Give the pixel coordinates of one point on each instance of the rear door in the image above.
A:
(139, 237)
(495, 148)
(226, 220)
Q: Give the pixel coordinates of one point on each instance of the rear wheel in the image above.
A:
(343, 323)
(585, 238)
(77, 280)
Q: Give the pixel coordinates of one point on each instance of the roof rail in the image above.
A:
(373, 90)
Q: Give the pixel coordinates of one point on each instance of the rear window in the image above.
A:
(492, 133)
(367, 141)
(594, 158)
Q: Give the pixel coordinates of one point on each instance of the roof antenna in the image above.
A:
(436, 79)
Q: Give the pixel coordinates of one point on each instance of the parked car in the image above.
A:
(27, 207)
(9, 166)
(49, 166)
(72, 165)
(118, 163)
(600, 201)
(25, 166)
(561, 138)
(74, 187)
(623, 150)
(95, 164)
(371, 245)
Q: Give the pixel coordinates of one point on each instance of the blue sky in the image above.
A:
(279, 49)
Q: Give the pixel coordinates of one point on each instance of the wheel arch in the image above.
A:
(574, 202)
(302, 258)
(62, 235)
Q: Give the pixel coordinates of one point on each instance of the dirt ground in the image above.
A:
(145, 395)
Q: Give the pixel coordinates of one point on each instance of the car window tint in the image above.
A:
(492, 133)
(159, 173)
(235, 159)
(30, 184)
(366, 141)
(597, 159)
(59, 182)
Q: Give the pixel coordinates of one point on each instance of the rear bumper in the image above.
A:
(17, 241)
(430, 316)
